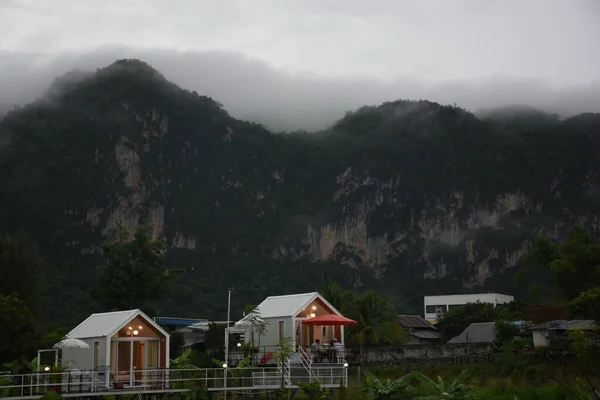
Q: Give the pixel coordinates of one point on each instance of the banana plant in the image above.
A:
(183, 361)
(457, 390)
(387, 390)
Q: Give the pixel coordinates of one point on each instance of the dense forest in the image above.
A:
(408, 197)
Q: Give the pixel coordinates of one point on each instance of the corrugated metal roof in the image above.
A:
(288, 305)
(562, 324)
(280, 306)
(414, 321)
(425, 334)
(177, 321)
(102, 324)
(480, 332)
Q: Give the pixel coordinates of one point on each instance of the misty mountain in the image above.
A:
(408, 197)
(253, 90)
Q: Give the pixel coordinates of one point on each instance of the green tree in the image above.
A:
(257, 325)
(440, 390)
(456, 320)
(586, 305)
(580, 375)
(574, 264)
(575, 267)
(336, 296)
(387, 390)
(17, 333)
(19, 269)
(377, 320)
(505, 331)
(134, 273)
(282, 356)
(54, 336)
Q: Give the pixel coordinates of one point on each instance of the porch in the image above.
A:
(306, 334)
(136, 349)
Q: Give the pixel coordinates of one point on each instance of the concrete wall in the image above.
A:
(83, 359)
(407, 354)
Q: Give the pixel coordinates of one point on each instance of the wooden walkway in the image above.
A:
(76, 384)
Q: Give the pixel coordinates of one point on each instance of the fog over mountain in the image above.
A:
(301, 64)
(253, 90)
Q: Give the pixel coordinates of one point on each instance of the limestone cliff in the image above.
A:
(415, 188)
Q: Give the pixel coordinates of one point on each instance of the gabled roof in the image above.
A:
(414, 322)
(479, 332)
(177, 321)
(563, 325)
(425, 334)
(289, 305)
(106, 324)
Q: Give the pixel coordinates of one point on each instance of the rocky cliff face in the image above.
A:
(408, 187)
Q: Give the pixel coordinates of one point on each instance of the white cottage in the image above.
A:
(284, 316)
(120, 342)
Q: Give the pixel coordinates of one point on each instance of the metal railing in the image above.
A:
(167, 380)
(261, 355)
(306, 362)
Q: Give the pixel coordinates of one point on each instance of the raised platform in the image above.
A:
(97, 383)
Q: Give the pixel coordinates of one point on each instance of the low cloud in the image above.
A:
(252, 90)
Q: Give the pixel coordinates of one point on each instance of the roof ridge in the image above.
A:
(292, 295)
(117, 312)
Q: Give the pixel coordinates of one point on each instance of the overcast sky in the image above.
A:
(301, 64)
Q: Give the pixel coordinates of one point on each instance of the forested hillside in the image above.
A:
(409, 197)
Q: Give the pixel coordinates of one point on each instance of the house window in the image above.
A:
(433, 309)
(96, 354)
(281, 330)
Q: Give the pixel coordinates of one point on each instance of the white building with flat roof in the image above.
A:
(435, 306)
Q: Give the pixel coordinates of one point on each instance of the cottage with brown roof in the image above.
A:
(420, 331)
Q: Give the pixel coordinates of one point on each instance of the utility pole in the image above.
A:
(226, 362)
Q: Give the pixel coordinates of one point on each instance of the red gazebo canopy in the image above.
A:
(330, 319)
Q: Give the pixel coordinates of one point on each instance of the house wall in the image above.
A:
(448, 301)
(83, 359)
(270, 338)
(540, 338)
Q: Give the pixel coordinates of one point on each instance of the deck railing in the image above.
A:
(166, 380)
(261, 355)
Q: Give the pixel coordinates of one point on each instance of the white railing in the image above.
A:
(306, 361)
(166, 380)
(285, 371)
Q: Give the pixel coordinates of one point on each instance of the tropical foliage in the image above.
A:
(314, 390)
(134, 274)
(257, 325)
(184, 361)
(453, 322)
(388, 389)
(575, 267)
(17, 335)
(375, 314)
(441, 390)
